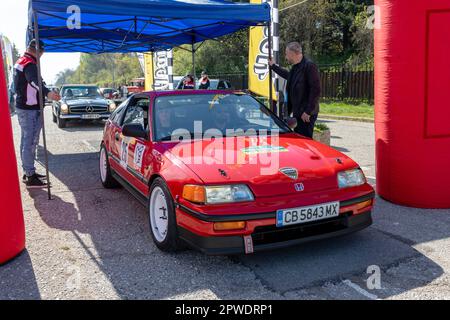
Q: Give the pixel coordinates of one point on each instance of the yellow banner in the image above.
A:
(258, 72)
(148, 63)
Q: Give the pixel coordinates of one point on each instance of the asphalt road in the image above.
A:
(92, 243)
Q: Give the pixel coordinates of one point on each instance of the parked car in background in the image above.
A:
(136, 86)
(81, 102)
(110, 93)
(177, 80)
(215, 84)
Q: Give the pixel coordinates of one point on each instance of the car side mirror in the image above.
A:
(134, 131)
(292, 123)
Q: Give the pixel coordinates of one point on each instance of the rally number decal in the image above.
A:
(124, 154)
(139, 155)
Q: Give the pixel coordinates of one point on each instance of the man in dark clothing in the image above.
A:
(28, 111)
(303, 88)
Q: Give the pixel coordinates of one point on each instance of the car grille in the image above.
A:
(273, 234)
(83, 109)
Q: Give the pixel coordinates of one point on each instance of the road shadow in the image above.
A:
(18, 279)
(83, 125)
(111, 228)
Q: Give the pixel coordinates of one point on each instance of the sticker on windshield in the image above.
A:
(264, 149)
(139, 155)
(216, 100)
(124, 154)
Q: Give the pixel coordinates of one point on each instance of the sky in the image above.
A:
(13, 24)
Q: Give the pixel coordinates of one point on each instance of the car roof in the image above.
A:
(189, 92)
(79, 85)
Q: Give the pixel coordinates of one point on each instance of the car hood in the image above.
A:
(85, 101)
(257, 162)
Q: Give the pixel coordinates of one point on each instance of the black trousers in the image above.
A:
(306, 128)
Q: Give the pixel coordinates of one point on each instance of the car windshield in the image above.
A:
(193, 116)
(80, 92)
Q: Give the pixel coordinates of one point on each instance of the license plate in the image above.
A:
(90, 116)
(322, 211)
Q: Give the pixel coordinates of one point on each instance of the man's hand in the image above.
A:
(306, 117)
(271, 63)
(54, 96)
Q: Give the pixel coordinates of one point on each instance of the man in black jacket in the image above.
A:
(303, 88)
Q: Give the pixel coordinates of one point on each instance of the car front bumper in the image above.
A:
(263, 234)
(271, 237)
(102, 116)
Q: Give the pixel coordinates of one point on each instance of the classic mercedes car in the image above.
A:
(218, 171)
(81, 102)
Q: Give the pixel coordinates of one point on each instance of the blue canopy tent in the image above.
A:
(139, 25)
(123, 26)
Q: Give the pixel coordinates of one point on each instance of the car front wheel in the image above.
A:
(61, 122)
(162, 218)
(106, 177)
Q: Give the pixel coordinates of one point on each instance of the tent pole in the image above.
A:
(153, 71)
(41, 99)
(270, 71)
(193, 63)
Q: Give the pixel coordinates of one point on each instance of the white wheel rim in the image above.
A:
(103, 165)
(159, 215)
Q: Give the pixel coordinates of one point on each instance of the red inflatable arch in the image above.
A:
(412, 102)
(12, 231)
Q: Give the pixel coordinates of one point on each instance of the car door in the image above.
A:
(134, 152)
(113, 130)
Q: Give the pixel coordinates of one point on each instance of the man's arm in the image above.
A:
(280, 71)
(31, 74)
(313, 79)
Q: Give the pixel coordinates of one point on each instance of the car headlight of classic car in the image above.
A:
(64, 108)
(217, 194)
(111, 107)
(351, 178)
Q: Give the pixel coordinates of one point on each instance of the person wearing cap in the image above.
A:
(28, 111)
(204, 81)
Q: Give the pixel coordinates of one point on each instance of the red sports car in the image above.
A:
(218, 171)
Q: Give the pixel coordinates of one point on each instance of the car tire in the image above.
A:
(106, 177)
(164, 230)
(61, 122)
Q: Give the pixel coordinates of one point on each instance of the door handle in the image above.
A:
(117, 136)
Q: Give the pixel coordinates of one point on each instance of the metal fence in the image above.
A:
(237, 81)
(338, 82)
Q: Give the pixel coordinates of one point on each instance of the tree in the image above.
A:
(363, 41)
(15, 53)
(331, 32)
(63, 76)
(229, 54)
(105, 70)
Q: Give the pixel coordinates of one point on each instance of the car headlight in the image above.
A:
(217, 194)
(64, 108)
(351, 178)
(112, 107)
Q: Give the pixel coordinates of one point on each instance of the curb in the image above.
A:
(331, 117)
